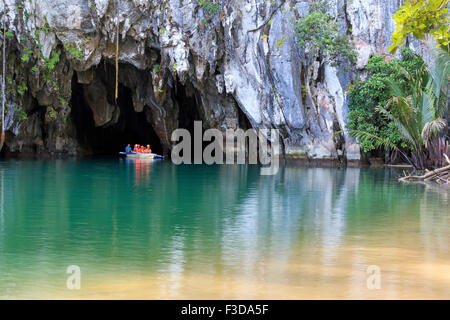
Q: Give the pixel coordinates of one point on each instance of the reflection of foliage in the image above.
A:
(366, 96)
(318, 33)
(419, 18)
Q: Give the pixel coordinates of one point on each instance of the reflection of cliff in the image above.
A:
(297, 205)
(435, 218)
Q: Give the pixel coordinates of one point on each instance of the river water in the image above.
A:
(153, 230)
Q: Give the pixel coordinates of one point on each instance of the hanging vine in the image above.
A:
(2, 138)
(117, 50)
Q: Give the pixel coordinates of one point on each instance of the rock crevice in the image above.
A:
(240, 66)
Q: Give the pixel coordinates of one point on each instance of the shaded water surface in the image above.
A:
(154, 230)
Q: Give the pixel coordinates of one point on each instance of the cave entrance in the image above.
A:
(186, 98)
(187, 106)
(105, 126)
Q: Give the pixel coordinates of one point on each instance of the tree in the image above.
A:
(417, 112)
(420, 18)
(366, 95)
(318, 34)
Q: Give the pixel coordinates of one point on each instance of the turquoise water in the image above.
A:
(140, 229)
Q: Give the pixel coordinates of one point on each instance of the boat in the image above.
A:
(135, 155)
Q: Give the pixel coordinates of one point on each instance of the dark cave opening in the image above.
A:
(187, 99)
(104, 126)
(130, 128)
(188, 108)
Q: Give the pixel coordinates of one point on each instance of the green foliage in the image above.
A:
(366, 96)
(22, 115)
(156, 68)
(416, 109)
(9, 34)
(46, 28)
(51, 62)
(210, 7)
(280, 42)
(421, 17)
(418, 112)
(74, 51)
(52, 113)
(94, 6)
(62, 100)
(318, 33)
(22, 88)
(26, 55)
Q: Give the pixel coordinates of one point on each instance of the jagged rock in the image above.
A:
(231, 66)
(95, 95)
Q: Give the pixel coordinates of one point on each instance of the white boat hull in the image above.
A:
(141, 156)
(134, 155)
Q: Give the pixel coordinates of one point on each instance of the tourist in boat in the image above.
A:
(148, 150)
(128, 149)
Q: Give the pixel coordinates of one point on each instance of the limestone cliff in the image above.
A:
(238, 67)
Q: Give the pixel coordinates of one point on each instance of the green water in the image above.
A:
(156, 230)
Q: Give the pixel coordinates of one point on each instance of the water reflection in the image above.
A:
(151, 229)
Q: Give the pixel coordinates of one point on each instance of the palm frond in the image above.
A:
(403, 120)
(377, 141)
(432, 128)
(440, 73)
(395, 88)
(428, 105)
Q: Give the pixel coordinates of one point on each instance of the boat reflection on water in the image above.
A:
(141, 168)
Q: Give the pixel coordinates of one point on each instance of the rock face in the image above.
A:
(238, 67)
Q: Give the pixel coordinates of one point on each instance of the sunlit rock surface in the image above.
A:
(230, 64)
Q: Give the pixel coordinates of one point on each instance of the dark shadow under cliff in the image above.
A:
(129, 128)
